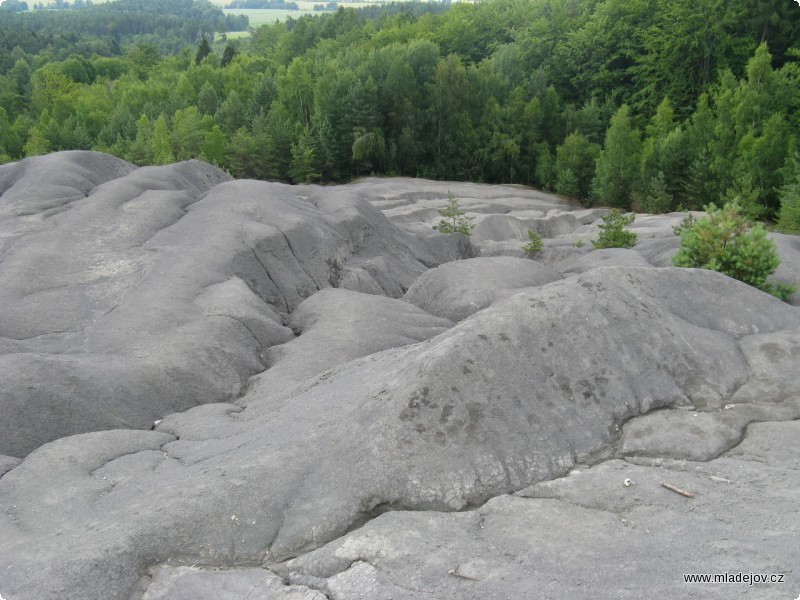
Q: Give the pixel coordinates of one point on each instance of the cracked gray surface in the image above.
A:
(589, 535)
(194, 583)
(347, 443)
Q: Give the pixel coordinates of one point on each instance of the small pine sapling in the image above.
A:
(455, 221)
(613, 233)
(534, 245)
(687, 223)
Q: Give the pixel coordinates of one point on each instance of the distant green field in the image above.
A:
(262, 16)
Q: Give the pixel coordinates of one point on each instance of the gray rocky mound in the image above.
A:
(458, 289)
(130, 293)
(345, 410)
(335, 326)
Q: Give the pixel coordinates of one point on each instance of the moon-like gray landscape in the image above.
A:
(219, 389)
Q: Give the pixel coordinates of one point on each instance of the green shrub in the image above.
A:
(612, 231)
(725, 241)
(534, 245)
(454, 221)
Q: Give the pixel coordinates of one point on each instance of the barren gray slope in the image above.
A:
(127, 294)
(518, 393)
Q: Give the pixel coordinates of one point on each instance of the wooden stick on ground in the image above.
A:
(461, 575)
(677, 490)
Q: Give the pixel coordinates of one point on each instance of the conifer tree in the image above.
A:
(789, 215)
(161, 145)
(214, 147)
(203, 50)
(228, 55)
(617, 166)
(575, 165)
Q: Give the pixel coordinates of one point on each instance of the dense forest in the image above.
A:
(86, 28)
(645, 104)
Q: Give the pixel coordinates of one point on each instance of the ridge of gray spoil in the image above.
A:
(215, 389)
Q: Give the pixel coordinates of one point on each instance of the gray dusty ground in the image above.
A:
(349, 405)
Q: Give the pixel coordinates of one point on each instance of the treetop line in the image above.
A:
(597, 100)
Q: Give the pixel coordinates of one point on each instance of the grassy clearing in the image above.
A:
(263, 16)
(235, 35)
